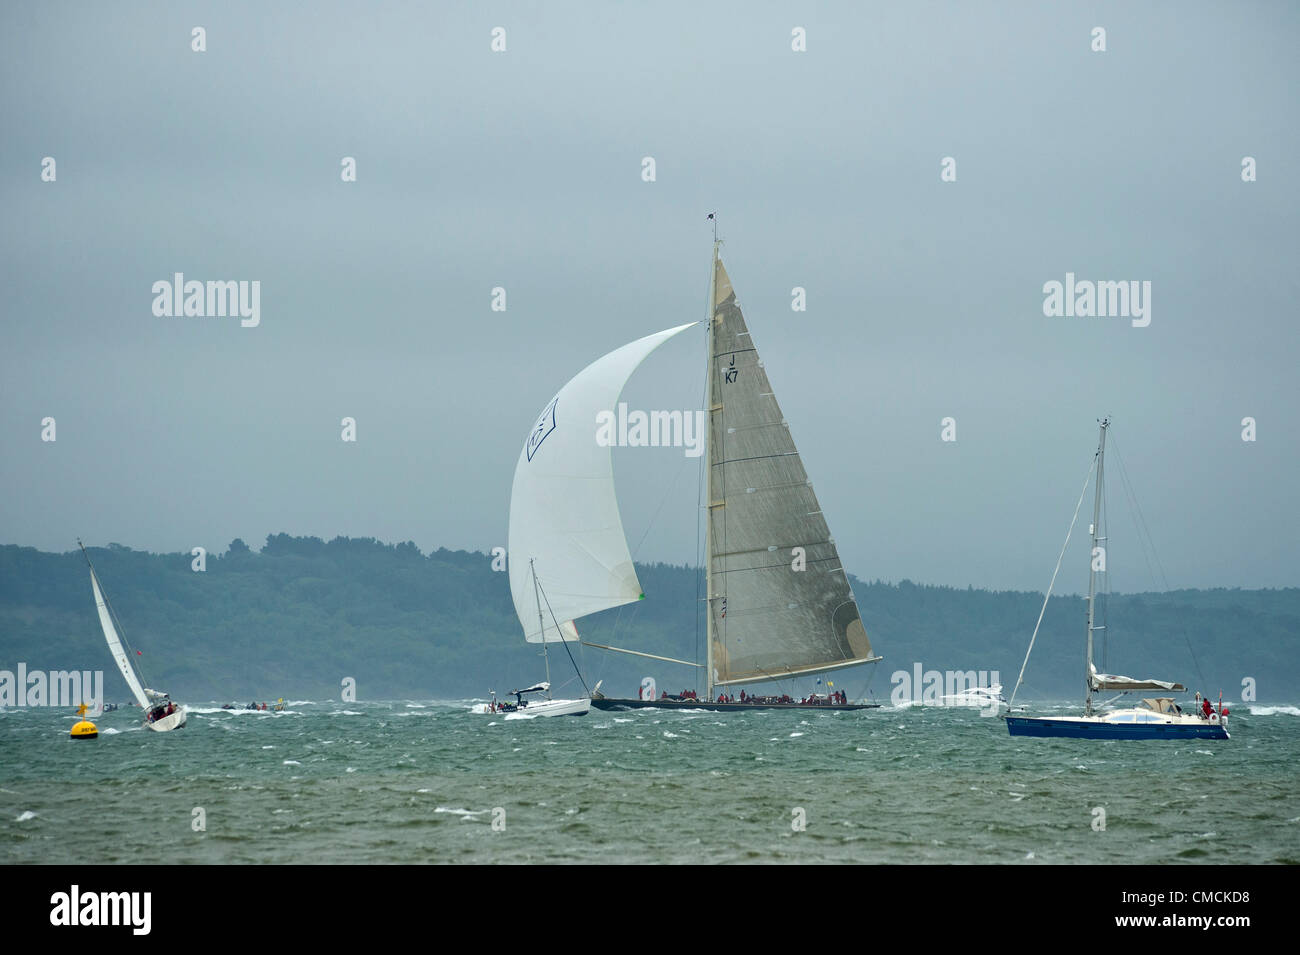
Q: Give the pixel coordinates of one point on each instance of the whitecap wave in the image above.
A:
(1274, 710)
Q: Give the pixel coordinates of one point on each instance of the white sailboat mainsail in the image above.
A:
(564, 521)
(115, 646)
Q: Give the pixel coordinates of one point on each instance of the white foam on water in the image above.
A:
(463, 813)
(668, 735)
(1205, 752)
(617, 720)
(793, 735)
(268, 747)
(291, 762)
(111, 731)
(1274, 710)
(26, 816)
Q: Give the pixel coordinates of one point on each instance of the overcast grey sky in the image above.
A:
(523, 169)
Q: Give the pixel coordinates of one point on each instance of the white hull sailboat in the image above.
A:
(779, 604)
(161, 714)
(522, 709)
(1157, 717)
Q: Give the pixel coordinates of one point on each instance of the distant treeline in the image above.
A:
(303, 614)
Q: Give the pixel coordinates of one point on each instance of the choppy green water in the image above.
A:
(423, 782)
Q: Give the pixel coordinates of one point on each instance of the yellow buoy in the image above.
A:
(84, 730)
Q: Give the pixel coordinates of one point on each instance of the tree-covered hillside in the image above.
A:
(301, 615)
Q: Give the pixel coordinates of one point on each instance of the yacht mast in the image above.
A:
(708, 484)
(542, 624)
(1092, 559)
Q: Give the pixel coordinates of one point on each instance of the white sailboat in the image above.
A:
(1157, 717)
(779, 602)
(161, 714)
(522, 709)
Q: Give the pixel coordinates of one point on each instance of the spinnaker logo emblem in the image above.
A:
(545, 425)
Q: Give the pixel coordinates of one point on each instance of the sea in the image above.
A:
(419, 781)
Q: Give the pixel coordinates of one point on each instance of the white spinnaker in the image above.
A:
(563, 508)
(116, 648)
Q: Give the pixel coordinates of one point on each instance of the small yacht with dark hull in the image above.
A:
(1157, 717)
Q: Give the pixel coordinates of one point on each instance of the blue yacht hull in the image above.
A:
(1081, 729)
